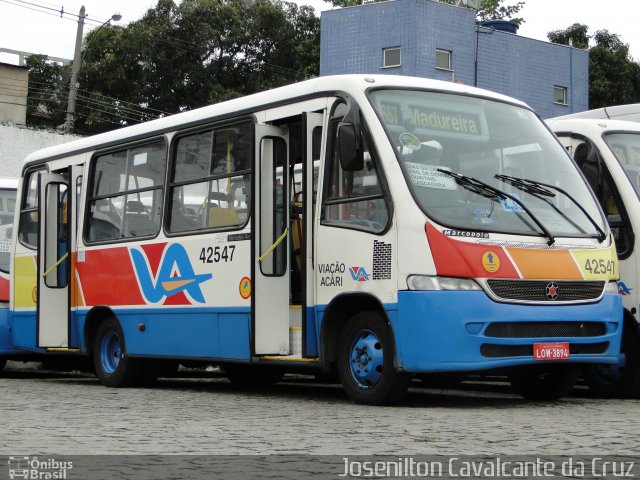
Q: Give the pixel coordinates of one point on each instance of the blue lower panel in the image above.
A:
(445, 331)
(6, 340)
(23, 330)
(185, 333)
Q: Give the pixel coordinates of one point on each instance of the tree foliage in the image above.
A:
(614, 78)
(48, 91)
(179, 57)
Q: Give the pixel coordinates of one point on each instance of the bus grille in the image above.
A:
(538, 290)
(545, 329)
(489, 350)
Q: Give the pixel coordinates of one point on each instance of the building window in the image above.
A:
(390, 57)
(443, 59)
(560, 95)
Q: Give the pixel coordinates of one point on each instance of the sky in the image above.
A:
(24, 26)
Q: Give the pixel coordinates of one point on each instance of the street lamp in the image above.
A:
(75, 69)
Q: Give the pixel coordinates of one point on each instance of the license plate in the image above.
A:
(551, 351)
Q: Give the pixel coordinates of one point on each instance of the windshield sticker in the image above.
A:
(410, 141)
(483, 215)
(465, 233)
(510, 205)
(490, 261)
(428, 176)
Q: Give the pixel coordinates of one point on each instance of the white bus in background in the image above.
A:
(423, 244)
(608, 153)
(8, 187)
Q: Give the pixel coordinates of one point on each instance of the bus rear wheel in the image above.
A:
(113, 366)
(545, 382)
(622, 379)
(365, 361)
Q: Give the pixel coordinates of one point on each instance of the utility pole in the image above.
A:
(75, 69)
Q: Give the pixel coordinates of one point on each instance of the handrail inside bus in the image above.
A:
(52, 268)
(273, 247)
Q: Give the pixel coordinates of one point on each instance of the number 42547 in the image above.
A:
(600, 267)
(217, 254)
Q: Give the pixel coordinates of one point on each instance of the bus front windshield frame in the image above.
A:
(475, 163)
(625, 146)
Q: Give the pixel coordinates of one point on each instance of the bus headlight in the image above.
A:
(424, 282)
(611, 287)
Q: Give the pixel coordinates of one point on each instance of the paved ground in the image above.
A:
(51, 413)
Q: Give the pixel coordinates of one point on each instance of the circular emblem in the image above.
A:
(552, 290)
(34, 294)
(245, 287)
(491, 261)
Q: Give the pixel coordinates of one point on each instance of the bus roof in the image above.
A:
(591, 126)
(350, 84)
(11, 183)
(629, 112)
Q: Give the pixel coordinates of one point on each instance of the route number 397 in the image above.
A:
(600, 267)
(217, 254)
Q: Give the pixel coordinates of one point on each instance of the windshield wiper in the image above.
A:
(539, 188)
(486, 190)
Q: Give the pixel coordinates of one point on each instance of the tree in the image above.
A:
(48, 91)
(180, 57)
(489, 9)
(614, 78)
(576, 35)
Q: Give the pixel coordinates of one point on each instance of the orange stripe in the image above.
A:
(547, 264)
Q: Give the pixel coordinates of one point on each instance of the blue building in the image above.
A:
(425, 38)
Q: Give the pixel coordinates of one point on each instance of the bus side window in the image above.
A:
(354, 199)
(590, 162)
(28, 230)
(211, 180)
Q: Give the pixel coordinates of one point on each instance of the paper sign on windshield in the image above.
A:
(429, 176)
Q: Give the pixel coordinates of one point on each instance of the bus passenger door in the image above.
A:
(53, 262)
(270, 220)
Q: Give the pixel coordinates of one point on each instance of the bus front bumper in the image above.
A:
(455, 331)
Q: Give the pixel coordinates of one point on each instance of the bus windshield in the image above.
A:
(626, 148)
(449, 144)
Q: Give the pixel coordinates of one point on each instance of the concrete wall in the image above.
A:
(352, 40)
(14, 85)
(18, 142)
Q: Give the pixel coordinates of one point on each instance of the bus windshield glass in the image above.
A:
(626, 148)
(479, 164)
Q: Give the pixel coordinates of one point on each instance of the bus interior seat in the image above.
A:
(137, 221)
(219, 215)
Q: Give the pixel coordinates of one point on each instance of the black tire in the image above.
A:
(113, 366)
(545, 382)
(618, 381)
(253, 376)
(366, 361)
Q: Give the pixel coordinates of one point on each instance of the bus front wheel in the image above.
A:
(622, 379)
(365, 361)
(545, 382)
(113, 366)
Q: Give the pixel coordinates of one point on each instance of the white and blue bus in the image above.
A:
(382, 227)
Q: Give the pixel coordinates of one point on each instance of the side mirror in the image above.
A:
(349, 148)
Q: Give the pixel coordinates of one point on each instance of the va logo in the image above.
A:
(359, 274)
(175, 274)
(623, 289)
